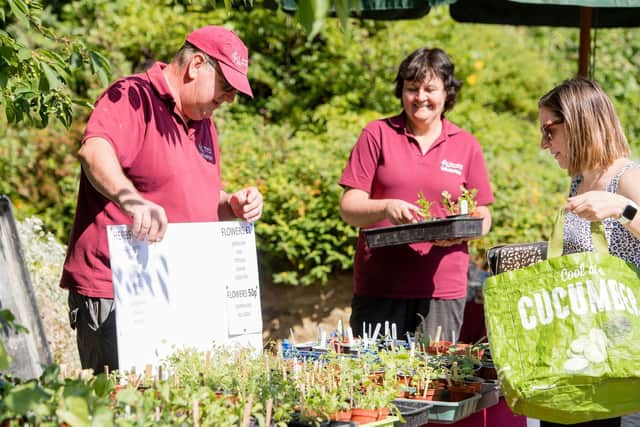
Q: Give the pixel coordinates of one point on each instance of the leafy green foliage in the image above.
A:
(225, 386)
(313, 96)
(33, 76)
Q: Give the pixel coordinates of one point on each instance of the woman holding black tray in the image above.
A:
(395, 160)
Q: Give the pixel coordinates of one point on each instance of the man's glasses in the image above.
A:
(226, 86)
(546, 128)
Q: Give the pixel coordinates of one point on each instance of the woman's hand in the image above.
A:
(359, 210)
(400, 212)
(597, 205)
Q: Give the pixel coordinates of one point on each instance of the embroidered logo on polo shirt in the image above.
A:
(447, 166)
(206, 151)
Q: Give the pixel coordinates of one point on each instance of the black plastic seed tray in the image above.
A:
(414, 412)
(428, 231)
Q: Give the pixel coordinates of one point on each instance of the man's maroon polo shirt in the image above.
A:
(386, 162)
(171, 163)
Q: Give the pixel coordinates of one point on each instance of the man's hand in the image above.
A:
(149, 219)
(101, 165)
(246, 204)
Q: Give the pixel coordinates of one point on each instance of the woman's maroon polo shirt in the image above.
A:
(386, 162)
(171, 163)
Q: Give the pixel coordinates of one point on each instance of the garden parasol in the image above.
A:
(585, 14)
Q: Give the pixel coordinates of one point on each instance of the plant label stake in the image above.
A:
(464, 207)
(267, 420)
(438, 332)
(196, 413)
(293, 338)
(376, 331)
(323, 337)
(247, 412)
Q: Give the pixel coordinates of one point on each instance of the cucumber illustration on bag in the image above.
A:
(585, 350)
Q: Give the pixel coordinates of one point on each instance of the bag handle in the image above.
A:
(598, 237)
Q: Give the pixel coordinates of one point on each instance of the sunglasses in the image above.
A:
(546, 128)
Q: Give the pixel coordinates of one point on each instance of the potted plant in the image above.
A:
(374, 403)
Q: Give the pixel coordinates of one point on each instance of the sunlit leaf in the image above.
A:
(56, 60)
(75, 411)
(10, 112)
(52, 77)
(24, 54)
(23, 397)
(100, 66)
(76, 60)
(305, 15)
(343, 11)
(102, 417)
(101, 385)
(5, 359)
(129, 396)
(82, 103)
(66, 116)
(311, 14)
(20, 10)
(50, 374)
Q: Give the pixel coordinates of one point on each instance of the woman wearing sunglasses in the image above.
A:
(582, 132)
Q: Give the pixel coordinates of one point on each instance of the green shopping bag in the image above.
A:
(565, 334)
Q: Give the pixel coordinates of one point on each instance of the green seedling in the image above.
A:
(425, 206)
(448, 203)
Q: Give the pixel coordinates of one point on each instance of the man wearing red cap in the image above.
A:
(150, 156)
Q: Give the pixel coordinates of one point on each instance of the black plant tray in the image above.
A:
(414, 412)
(454, 227)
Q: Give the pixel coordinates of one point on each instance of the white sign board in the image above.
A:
(196, 288)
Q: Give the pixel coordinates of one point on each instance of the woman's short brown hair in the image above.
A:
(593, 133)
(424, 62)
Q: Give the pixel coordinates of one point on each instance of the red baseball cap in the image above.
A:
(230, 52)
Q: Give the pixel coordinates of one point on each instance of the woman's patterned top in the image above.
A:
(577, 231)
